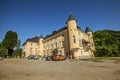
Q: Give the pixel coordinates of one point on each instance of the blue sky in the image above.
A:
(33, 17)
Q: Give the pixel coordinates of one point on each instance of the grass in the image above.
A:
(102, 59)
(96, 59)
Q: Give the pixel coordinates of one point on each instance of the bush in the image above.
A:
(17, 53)
(3, 51)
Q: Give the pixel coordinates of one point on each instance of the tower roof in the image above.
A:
(71, 17)
(41, 36)
(88, 29)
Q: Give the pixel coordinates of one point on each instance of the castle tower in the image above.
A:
(72, 34)
(41, 45)
(90, 36)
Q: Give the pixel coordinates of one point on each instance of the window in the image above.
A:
(62, 35)
(74, 40)
(51, 46)
(31, 44)
(80, 43)
(81, 53)
(44, 48)
(37, 49)
(55, 46)
(62, 43)
(30, 49)
(48, 47)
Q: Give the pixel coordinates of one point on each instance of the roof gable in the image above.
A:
(56, 32)
(34, 39)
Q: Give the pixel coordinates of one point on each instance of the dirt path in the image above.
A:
(23, 69)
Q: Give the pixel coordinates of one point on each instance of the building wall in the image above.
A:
(41, 46)
(31, 48)
(86, 46)
(58, 43)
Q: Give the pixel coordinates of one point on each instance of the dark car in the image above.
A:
(49, 58)
(31, 57)
(35, 57)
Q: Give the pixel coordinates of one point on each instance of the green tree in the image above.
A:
(3, 51)
(107, 43)
(10, 41)
(17, 53)
(18, 44)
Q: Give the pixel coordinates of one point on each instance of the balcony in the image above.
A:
(86, 45)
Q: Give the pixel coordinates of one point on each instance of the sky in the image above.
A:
(32, 17)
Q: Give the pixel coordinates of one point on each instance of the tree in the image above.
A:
(107, 43)
(10, 41)
(17, 53)
(18, 44)
(3, 51)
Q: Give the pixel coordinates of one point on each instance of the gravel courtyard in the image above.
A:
(23, 69)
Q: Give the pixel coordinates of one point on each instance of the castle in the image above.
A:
(69, 41)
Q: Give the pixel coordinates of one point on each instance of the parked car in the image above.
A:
(49, 58)
(35, 57)
(1, 58)
(57, 57)
(31, 57)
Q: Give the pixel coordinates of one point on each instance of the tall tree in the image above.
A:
(10, 41)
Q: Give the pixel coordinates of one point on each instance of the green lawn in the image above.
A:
(102, 59)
